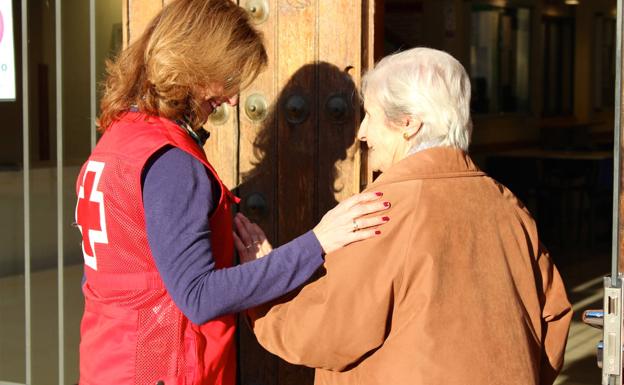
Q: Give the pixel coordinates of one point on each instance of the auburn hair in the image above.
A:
(189, 45)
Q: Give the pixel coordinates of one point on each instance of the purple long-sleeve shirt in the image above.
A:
(178, 197)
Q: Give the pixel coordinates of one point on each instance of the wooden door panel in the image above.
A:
(297, 145)
(140, 13)
(257, 188)
(316, 162)
(258, 140)
(297, 107)
(222, 146)
(291, 166)
(339, 72)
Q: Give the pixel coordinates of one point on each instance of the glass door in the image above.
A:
(52, 55)
(610, 318)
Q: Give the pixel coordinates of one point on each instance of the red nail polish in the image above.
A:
(379, 194)
(385, 219)
(387, 204)
(377, 232)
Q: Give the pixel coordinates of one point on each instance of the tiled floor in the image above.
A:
(583, 279)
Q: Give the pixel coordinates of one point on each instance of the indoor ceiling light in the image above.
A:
(572, 2)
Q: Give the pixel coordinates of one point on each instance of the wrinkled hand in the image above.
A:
(344, 223)
(250, 241)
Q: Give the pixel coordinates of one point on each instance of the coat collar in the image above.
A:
(432, 163)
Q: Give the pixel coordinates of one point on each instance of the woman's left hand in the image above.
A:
(250, 241)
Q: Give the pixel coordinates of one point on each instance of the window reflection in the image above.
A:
(604, 55)
(499, 59)
(558, 79)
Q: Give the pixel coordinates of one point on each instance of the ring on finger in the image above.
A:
(356, 227)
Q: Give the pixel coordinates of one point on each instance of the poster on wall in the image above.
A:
(7, 52)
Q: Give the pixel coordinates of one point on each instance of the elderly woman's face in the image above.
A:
(386, 145)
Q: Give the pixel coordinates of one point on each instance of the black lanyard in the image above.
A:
(199, 137)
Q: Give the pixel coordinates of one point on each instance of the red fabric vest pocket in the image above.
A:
(117, 364)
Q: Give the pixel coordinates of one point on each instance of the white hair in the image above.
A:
(428, 85)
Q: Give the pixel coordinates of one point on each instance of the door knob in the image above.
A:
(256, 107)
(220, 115)
(296, 109)
(337, 107)
(256, 205)
(258, 9)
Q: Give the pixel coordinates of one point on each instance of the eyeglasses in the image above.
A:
(231, 81)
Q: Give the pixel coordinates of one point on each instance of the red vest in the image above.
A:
(131, 331)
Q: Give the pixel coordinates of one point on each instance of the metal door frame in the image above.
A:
(614, 294)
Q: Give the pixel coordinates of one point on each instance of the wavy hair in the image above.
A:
(188, 46)
(429, 85)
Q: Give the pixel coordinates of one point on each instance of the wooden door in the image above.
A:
(293, 160)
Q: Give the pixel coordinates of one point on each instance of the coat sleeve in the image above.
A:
(343, 314)
(556, 317)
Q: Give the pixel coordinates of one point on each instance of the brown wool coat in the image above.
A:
(457, 290)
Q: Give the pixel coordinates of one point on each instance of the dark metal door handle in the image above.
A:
(337, 107)
(256, 205)
(296, 109)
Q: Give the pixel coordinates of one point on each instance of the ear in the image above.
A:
(411, 126)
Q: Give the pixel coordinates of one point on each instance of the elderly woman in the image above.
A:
(458, 289)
